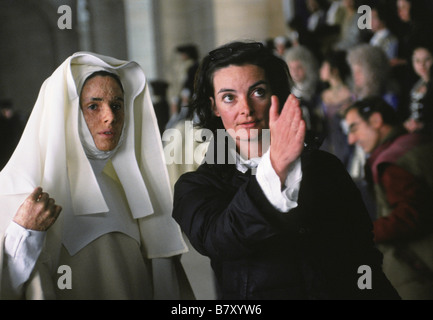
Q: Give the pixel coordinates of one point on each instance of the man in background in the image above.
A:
(399, 170)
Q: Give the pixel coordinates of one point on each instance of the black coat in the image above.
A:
(257, 252)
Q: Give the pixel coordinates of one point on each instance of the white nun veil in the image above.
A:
(50, 154)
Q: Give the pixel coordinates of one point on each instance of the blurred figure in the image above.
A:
(160, 103)
(303, 68)
(11, 128)
(333, 24)
(280, 46)
(179, 143)
(399, 170)
(370, 76)
(415, 27)
(182, 86)
(189, 55)
(371, 73)
(335, 13)
(317, 17)
(316, 25)
(299, 35)
(335, 72)
(382, 36)
(350, 34)
(427, 114)
(422, 60)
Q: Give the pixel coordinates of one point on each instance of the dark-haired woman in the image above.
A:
(334, 100)
(278, 218)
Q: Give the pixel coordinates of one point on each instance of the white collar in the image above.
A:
(243, 165)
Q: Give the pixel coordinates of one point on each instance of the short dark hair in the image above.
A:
(239, 54)
(190, 50)
(338, 61)
(383, 12)
(6, 104)
(366, 107)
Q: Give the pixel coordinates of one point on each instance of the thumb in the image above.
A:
(273, 110)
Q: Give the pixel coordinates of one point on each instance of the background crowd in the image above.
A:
(385, 67)
(334, 63)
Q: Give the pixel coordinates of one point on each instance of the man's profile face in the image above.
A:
(361, 132)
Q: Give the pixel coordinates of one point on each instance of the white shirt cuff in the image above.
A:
(286, 199)
(22, 249)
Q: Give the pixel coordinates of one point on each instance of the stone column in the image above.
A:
(107, 28)
(141, 35)
(248, 20)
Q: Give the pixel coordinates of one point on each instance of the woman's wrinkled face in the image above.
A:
(102, 104)
(358, 75)
(242, 98)
(297, 71)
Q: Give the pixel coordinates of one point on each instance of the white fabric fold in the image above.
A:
(123, 156)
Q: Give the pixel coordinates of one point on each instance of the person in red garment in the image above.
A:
(399, 170)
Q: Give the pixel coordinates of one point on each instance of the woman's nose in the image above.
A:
(245, 107)
(108, 115)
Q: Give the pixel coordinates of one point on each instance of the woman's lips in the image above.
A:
(107, 133)
(249, 124)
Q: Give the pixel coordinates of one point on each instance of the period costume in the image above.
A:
(115, 231)
(310, 250)
(401, 172)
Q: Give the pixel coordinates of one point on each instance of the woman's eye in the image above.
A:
(116, 107)
(228, 98)
(92, 107)
(259, 92)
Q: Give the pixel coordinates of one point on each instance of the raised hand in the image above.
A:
(287, 135)
(38, 211)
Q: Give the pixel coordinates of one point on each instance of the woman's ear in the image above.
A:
(213, 106)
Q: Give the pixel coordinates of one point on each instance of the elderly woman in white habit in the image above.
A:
(92, 143)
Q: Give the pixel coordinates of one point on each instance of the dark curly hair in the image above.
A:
(238, 54)
(366, 107)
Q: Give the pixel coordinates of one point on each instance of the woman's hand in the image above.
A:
(38, 212)
(287, 135)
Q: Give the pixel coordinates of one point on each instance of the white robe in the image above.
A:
(101, 256)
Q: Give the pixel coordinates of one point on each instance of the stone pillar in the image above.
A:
(184, 22)
(248, 20)
(107, 28)
(141, 27)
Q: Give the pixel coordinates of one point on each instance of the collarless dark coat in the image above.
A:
(318, 250)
